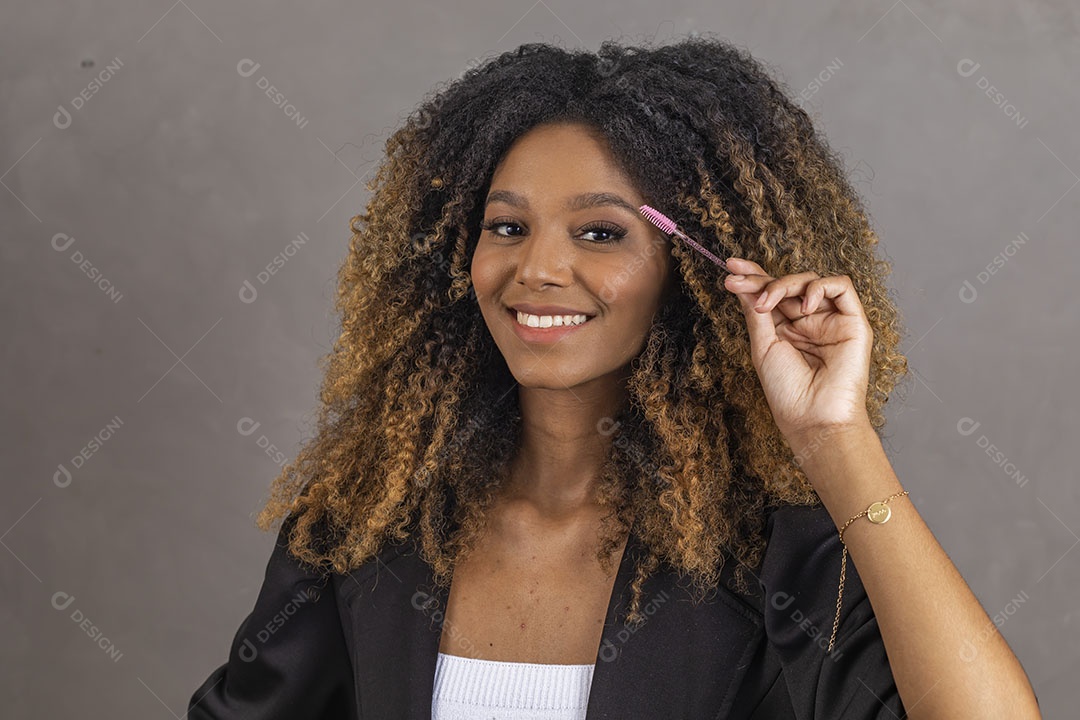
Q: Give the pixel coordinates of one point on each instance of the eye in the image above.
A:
(616, 232)
(491, 226)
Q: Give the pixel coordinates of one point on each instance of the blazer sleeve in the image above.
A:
(800, 577)
(288, 658)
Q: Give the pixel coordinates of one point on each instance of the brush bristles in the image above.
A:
(658, 219)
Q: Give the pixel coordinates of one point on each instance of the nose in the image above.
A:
(544, 257)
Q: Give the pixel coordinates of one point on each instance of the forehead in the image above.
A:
(561, 159)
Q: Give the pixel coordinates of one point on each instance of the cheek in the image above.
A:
(636, 286)
(643, 307)
(484, 272)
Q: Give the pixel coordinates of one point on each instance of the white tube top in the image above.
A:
(470, 689)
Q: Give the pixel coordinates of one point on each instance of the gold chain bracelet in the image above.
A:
(877, 513)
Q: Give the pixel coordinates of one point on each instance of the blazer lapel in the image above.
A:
(684, 661)
(392, 614)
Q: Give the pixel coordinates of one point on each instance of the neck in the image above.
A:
(565, 440)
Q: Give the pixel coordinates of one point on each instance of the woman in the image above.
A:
(634, 467)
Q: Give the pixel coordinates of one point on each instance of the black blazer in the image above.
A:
(364, 645)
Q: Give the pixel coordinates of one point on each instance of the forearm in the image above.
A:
(928, 617)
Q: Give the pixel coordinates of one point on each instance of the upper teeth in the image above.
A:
(550, 320)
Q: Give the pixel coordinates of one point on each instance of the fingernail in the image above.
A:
(738, 277)
(761, 299)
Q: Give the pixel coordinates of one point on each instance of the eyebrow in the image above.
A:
(578, 202)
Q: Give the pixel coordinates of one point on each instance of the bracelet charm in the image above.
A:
(878, 513)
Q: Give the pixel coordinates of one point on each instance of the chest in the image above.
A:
(538, 601)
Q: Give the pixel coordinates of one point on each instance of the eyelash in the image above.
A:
(615, 231)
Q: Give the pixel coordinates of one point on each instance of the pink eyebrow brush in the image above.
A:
(668, 225)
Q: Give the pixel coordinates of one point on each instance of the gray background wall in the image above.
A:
(179, 180)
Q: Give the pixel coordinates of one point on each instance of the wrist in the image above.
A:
(830, 439)
(848, 469)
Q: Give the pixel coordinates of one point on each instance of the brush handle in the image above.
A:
(679, 233)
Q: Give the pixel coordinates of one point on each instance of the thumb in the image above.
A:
(760, 324)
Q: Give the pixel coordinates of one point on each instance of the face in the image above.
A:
(562, 236)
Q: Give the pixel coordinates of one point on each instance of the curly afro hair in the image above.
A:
(417, 422)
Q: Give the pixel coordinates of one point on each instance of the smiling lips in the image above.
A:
(545, 321)
(542, 310)
(547, 330)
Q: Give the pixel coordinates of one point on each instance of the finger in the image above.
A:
(756, 279)
(742, 266)
(761, 326)
(752, 284)
(747, 284)
(748, 288)
(790, 309)
(806, 307)
(792, 304)
(745, 276)
(752, 279)
(789, 286)
(814, 298)
(836, 289)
